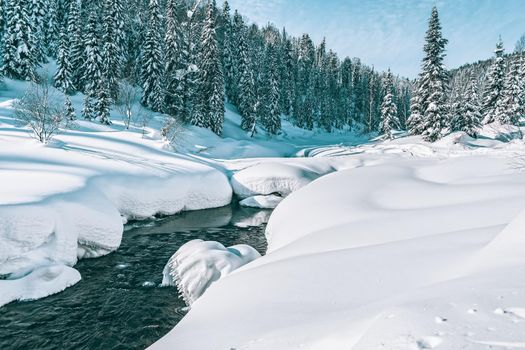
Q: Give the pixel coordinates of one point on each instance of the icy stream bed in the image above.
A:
(119, 303)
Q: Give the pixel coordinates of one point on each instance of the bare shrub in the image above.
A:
(172, 129)
(126, 102)
(41, 110)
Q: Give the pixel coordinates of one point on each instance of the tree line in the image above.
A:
(189, 57)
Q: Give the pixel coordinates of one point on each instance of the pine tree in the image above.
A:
(68, 109)
(75, 32)
(38, 14)
(173, 40)
(287, 69)
(269, 111)
(246, 86)
(432, 85)
(112, 41)
(494, 85)
(18, 59)
(210, 113)
(63, 79)
(468, 118)
(227, 52)
(152, 95)
(93, 66)
(389, 120)
(88, 112)
(103, 103)
(511, 105)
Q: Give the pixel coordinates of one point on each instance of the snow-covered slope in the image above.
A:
(417, 247)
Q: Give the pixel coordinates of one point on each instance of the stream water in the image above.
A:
(119, 303)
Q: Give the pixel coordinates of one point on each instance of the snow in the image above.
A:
(198, 264)
(265, 202)
(42, 282)
(409, 245)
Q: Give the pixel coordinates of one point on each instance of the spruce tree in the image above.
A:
(75, 31)
(210, 112)
(432, 85)
(112, 41)
(246, 86)
(38, 13)
(173, 66)
(93, 66)
(151, 74)
(511, 105)
(103, 103)
(88, 112)
(68, 109)
(468, 119)
(227, 52)
(63, 79)
(494, 85)
(389, 120)
(269, 111)
(18, 59)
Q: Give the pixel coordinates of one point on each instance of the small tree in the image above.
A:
(69, 110)
(126, 103)
(40, 110)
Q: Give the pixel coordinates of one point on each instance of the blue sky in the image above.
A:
(389, 33)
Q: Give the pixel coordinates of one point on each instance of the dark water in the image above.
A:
(118, 304)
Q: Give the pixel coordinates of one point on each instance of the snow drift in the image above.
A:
(198, 264)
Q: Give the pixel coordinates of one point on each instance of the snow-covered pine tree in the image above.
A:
(511, 106)
(269, 111)
(112, 41)
(468, 118)
(389, 120)
(173, 46)
(227, 54)
(494, 85)
(433, 82)
(63, 78)
(210, 113)
(75, 31)
(246, 85)
(53, 27)
(103, 103)
(287, 78)
(306, 77)
(93, 65)
(88, 112)
(68, 109)
(238, 35)
(151, 72)
(38, 13)
(18, 59)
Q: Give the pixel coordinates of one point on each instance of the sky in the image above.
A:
(390, 33)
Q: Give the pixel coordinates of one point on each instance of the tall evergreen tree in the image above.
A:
(93, 66)
(210, 113)
(18, 59)
(227, 52)
(38, 14)
(75, 32)
(494, 85)
(269, 111)
(173, 66)
(112, 41)
(63, 79)
(246, 85)
(430, 97)
(468, 119)
(511, 105)
(389, 120)
(152, 95)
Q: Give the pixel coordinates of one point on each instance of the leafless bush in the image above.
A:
(172, 129)
(126, 102)
(42, 111)
(143, 117)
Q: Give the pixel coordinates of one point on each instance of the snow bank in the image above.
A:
(263, 202)
(198, 264)
(377, 257)
(40, 283)
(274, 178)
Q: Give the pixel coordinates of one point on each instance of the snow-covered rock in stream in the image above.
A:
(198, 264)
(263, 202)
(40, 283)
(274, 177)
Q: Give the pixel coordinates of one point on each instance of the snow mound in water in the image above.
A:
(263, 202)
(40, 283)
(198, 264)
(269, 178)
